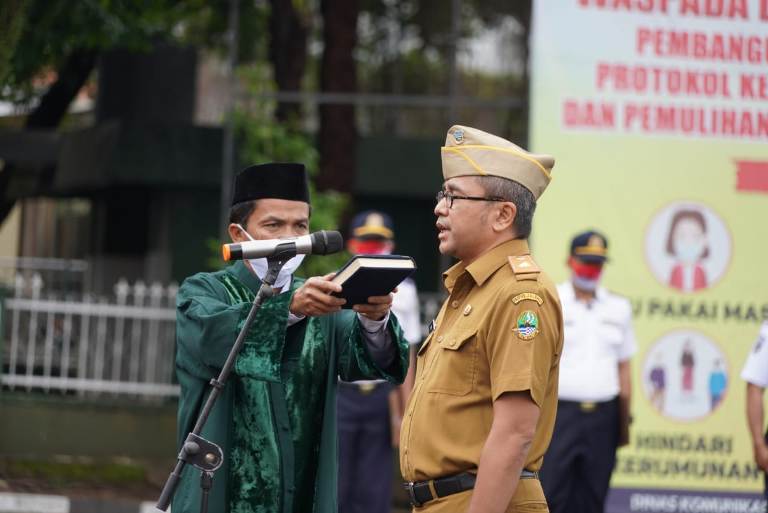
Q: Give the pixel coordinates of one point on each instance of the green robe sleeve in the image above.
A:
(205, 325)
(355, 360)
(211, 311)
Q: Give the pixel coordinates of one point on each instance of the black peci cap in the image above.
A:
(273, 180)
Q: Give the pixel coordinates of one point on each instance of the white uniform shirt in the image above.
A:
(405, 306)
(597, 337)
(756, 369)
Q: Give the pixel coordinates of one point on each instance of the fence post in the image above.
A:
(3, 295)
(139, 291)
(153, 331)
(66, 347)
(37, 287)
(50, 327)
(170, 356)
(83, 343)
(122, 289)
(18, 291)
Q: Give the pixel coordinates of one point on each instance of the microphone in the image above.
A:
(318, 243)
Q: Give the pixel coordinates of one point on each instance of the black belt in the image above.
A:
(420, 493)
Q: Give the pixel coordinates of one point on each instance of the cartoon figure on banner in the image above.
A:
(718, 382)
(687, 243)
(688, 246)
(687, 362)
(685, 375)
(658, 381)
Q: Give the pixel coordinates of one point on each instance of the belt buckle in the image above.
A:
(588, 406)
(366, 388)
(411, 494)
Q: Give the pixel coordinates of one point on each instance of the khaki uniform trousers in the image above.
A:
(528, 498)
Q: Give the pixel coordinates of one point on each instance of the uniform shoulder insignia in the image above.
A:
(524, 267)
(529, 296)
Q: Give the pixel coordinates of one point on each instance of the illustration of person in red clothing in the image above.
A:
(688, 245)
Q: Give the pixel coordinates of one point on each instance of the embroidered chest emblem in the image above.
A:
(527, 325)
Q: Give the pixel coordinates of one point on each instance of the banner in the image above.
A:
(657, 115)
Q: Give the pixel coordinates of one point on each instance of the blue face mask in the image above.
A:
(260, 266)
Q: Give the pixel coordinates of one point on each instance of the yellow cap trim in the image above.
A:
(373, 230)
(505, 150)
(590, 250)
(466, 157)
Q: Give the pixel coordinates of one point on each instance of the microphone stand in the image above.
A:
(196, 450)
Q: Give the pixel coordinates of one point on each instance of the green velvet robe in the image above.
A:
(276, 418)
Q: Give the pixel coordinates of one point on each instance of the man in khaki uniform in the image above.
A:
(483, 407)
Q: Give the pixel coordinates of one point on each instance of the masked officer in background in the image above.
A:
(595, 384)
(370, 412)
(484, 403)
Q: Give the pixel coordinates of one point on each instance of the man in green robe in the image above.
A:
(276, 417)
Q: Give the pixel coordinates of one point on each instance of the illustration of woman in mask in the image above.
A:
(688, 245)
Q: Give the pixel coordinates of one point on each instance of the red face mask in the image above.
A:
(585, 270)
(368, 247)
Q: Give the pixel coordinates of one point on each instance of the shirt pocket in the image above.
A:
(611, 333)
(455, 365)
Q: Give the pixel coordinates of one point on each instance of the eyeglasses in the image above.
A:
(449, 198)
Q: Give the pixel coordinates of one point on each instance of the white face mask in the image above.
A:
(260, 266)
(587, 284)
(690, 252)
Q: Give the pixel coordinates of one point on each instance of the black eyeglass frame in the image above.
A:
(449, 197)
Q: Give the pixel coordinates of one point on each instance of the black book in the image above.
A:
(364, 276)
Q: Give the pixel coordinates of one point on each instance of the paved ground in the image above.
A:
(31, 496)
(87, 487)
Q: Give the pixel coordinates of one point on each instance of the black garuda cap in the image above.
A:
(590, 246)
(281, 180)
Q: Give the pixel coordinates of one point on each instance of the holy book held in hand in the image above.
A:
(364, 276)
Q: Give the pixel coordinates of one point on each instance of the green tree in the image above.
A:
(11, 23)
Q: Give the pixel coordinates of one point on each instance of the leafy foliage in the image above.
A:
(11, 23)
(51, 30)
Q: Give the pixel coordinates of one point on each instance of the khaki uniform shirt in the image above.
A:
(500, 330)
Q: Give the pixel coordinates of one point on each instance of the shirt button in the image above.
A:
(440, 338)
(454, 304)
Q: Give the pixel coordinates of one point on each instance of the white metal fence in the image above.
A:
(87, 345)
(57, 273)
(84, 344)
